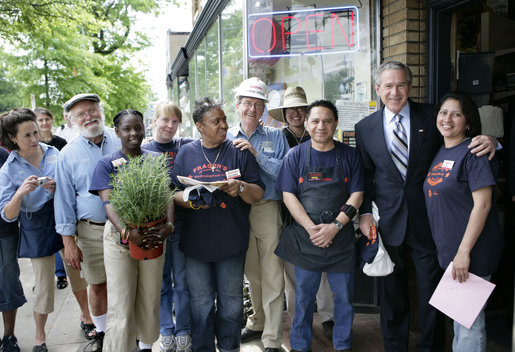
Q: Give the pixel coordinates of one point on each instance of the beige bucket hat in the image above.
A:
(293, 97)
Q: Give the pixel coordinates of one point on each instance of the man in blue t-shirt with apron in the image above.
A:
(322, 184)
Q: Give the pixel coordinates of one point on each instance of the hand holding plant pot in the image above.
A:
(141, 196)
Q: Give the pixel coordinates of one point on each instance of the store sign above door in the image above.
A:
(321, 31)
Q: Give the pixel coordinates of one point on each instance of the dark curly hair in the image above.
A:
(204, 105)
(322, 103)
(126, 112)
(9, 125)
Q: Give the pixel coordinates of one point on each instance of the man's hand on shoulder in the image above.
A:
(244, 144)
(481, 145)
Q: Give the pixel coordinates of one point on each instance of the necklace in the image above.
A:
(298, 140)
(214, 162)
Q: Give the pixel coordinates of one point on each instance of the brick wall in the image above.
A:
(405, 31)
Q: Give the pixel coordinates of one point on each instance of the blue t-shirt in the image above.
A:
(292, 169)
(454, 174)
(218, 232)
(6, 228)
(170, 149)
(105, 168)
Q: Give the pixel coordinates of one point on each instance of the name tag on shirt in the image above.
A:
(315, 176)
(267, 146)
(233, 173)
(447, 164)
(118, 162)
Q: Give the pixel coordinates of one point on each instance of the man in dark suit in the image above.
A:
(394, 181)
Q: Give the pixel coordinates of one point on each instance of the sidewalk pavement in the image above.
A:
(64, 333)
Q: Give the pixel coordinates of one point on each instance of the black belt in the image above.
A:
(93, 222)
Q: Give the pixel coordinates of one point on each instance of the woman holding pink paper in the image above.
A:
(459, 199)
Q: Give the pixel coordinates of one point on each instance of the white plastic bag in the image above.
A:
(382, 264)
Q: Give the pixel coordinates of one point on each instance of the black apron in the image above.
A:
(37, 233)
(322, 194)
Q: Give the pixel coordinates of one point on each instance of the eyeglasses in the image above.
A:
(249, 105)
(90, 112)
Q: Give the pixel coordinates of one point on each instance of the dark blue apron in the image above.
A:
(322, 193)
(37, 233)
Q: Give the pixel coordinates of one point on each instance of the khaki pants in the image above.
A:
(265, 272)
(44, 284)
(134, 292)
(90, 240)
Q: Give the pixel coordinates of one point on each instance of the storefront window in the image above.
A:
(201, 70)
(192, 80)
(327, 50)
(212, 62)
(232, 56)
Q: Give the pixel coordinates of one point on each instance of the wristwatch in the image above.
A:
(338, 224)
(242, 187)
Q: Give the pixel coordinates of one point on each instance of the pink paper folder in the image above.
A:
(461, 301)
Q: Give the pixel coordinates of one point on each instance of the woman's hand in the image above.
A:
(460, 266)
(28, 185)
(150, 238)
(232, 187)
(50, 185)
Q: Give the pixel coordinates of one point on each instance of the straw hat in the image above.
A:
(293, 97)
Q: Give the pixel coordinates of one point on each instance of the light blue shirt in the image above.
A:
(75, 167)
(271, 145)
(389, 125)
(16, 170)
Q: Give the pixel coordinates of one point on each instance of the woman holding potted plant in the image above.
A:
(133, 285)
(216, 228)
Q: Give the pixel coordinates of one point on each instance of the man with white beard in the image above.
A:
(80, 215)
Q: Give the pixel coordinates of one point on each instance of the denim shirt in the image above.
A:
(272, 146)
(16, 169)
(75, 167)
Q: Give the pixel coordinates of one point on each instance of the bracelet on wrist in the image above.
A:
(348, 210)
(193, 207)
(123, 235)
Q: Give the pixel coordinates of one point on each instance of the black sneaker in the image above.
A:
(96, 344)
(328, 329)
(10, 344)
(249, 335)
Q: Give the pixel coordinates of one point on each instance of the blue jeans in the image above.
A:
(176, 292)
(473, 339)
(307, 283)
(59, 266)
(11, 290)
(220, 281)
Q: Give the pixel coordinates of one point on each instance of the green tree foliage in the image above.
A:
(71, 47)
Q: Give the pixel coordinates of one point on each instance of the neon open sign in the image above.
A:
(331, 30)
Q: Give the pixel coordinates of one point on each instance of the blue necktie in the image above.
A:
(399, 148)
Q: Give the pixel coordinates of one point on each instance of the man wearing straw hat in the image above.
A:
(293, 113)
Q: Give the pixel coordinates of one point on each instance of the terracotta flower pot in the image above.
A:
(143, 254)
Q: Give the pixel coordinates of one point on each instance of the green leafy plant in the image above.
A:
(141, 190)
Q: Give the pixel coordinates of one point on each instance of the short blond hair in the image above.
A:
(167, 108)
